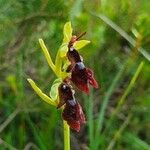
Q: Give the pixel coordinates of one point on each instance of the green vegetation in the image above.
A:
(119, 53)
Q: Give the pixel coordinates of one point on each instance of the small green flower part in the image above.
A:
(67, 37)
(80, 44)
(63, 50)
(67, 32)
(54, 89)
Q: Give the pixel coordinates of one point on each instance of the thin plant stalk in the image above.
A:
(119, 133)
(66, 136)
(130, 86)
(127, 91)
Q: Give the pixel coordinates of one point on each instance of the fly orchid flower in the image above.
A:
(72, 112)
(80, 75)
(61, 93)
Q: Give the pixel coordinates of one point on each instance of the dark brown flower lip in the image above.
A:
(65, 93)
(72, 112)
(82, 77)
(73, 55)
(74, 116)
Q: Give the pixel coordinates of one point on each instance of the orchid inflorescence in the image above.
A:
(69, 68)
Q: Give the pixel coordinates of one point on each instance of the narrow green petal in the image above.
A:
(47, 55)
(79, 44)
(63, 50)
(40, 93)
(59, 58)
(58, 64)
(67, 32)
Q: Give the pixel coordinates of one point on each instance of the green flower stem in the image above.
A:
(66, 136)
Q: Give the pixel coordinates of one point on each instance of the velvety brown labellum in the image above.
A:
(80, 75)
(72, 112)
(73, 56)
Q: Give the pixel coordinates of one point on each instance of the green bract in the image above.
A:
(54, 89)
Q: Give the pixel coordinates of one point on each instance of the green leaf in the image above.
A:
(67, 32)
(54, 89)
(80, 44)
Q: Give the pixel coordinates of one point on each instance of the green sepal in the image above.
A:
(67, 32)
(79, 44)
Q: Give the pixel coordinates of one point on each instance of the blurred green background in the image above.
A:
(117, 113)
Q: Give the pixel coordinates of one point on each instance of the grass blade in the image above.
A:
(106, 98)
(123, 34)
(118, 133)
(136, 142)
(122, 99)
(104, 104)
